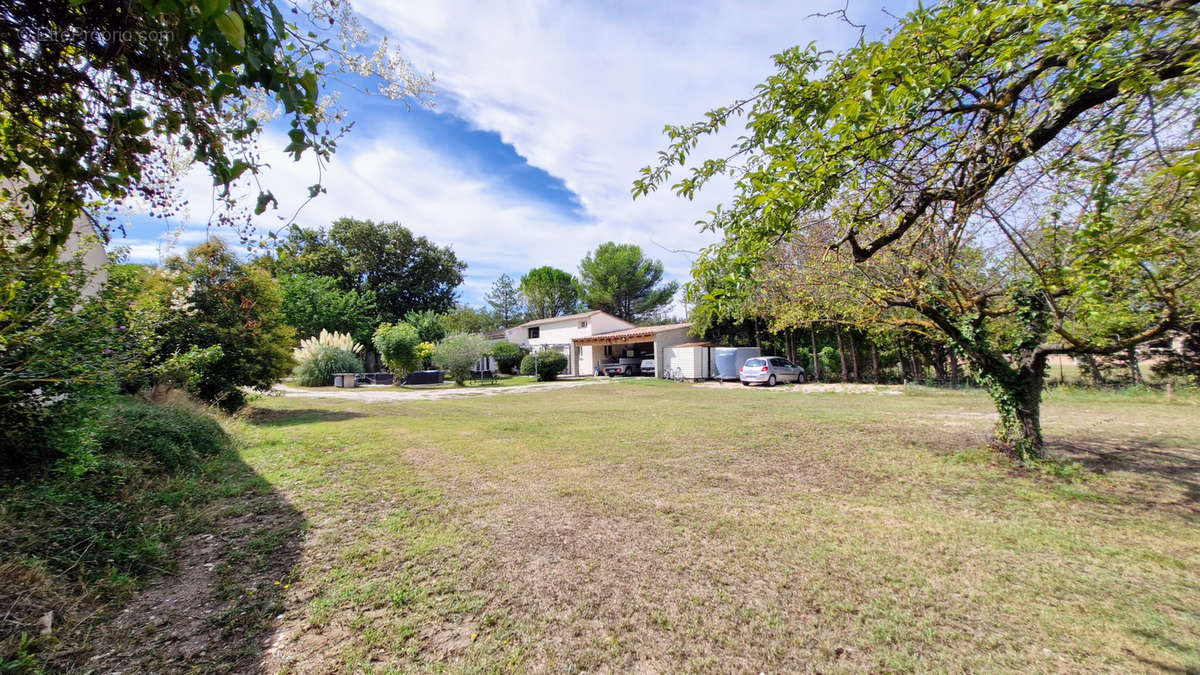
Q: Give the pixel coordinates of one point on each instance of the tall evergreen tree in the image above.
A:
(505, 301)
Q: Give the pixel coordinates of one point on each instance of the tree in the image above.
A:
(406, 272)
(548, 292)
(397, 346)
(457, 354)
(428, 324)
(505, 301)
(618, 279)
(464, 319)
(208, 298)
(1017, 180)
(313, 303)
(121, 87)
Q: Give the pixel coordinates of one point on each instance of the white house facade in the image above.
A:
(559, 333)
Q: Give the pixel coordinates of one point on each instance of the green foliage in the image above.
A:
(187, 368)
(168, 437)
(425, 352)
(405, 272)
(188, 74)
(804, 358)
(207, 299)
(457, 354)
(890, 185)
(318, 370)
(397, 346)
(549, 292)
(505, 301)
(94, 515)
(620, 280)
(428, 324)
(508, 355)
(463, 319)
(59, 350)
(549, 363)
(830, 361)
(313, 303)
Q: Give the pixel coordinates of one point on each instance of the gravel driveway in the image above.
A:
(383, 392)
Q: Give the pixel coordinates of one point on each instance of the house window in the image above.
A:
(578, 352)
(583, 324)
(608, 350)
(534, 332)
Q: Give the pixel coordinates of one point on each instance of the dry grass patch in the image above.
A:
(650, 526)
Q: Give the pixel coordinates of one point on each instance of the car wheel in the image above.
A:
(628, 372)
(771, 381)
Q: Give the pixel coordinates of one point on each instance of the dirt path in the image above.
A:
(386, 393)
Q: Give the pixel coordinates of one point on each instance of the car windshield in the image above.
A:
(755, 363)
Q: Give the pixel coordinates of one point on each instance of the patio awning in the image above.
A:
(624, 337)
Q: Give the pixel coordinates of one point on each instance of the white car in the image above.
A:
(770, 370)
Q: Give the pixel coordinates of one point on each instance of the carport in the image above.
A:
(644, 339)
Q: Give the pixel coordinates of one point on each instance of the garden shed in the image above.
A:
(693, 359)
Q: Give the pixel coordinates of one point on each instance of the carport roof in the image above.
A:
(628, 334)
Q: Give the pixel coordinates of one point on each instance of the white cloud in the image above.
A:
(582, 91)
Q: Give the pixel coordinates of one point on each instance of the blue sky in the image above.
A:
(543, 114)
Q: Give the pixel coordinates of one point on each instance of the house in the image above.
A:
(560, 332)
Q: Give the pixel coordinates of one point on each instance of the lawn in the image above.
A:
(654, 526)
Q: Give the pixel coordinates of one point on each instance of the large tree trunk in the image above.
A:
(874, 363)
(1016, 390)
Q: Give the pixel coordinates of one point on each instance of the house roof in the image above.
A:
(567, 317)
(629, 334)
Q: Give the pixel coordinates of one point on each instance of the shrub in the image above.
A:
(60, 351)
(209, 298)
(458, 353)
(167, 437)
(308, 347)
(549, 364)
(830, 362)
(508, 355)
(397, 346)
(425, 353)
(97, 513)
(318, 367)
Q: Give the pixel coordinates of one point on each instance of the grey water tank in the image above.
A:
(727, 361)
